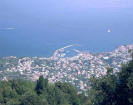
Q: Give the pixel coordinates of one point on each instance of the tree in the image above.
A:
(32, 99)
(103, 89)
(42, 85)
(125, 84)
(113, 89)
(70, 91)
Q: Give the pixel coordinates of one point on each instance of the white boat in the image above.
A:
(109, 30)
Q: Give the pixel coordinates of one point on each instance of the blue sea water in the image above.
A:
(39, 31)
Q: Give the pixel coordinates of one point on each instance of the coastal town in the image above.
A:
(77, 69)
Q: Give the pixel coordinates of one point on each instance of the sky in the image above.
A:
(70, 3)
(39, 27)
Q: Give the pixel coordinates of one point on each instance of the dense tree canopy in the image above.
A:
(113, 89)
(22, 92)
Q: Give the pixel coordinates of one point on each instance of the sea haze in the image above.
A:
(38, 28)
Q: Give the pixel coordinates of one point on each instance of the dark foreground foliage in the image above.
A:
(113, 89)
(22, 92)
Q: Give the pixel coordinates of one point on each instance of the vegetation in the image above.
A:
(113, 89)
(22, 92)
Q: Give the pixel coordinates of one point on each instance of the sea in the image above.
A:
(40, 32)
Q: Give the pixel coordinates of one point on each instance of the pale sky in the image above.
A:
(72, 3)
